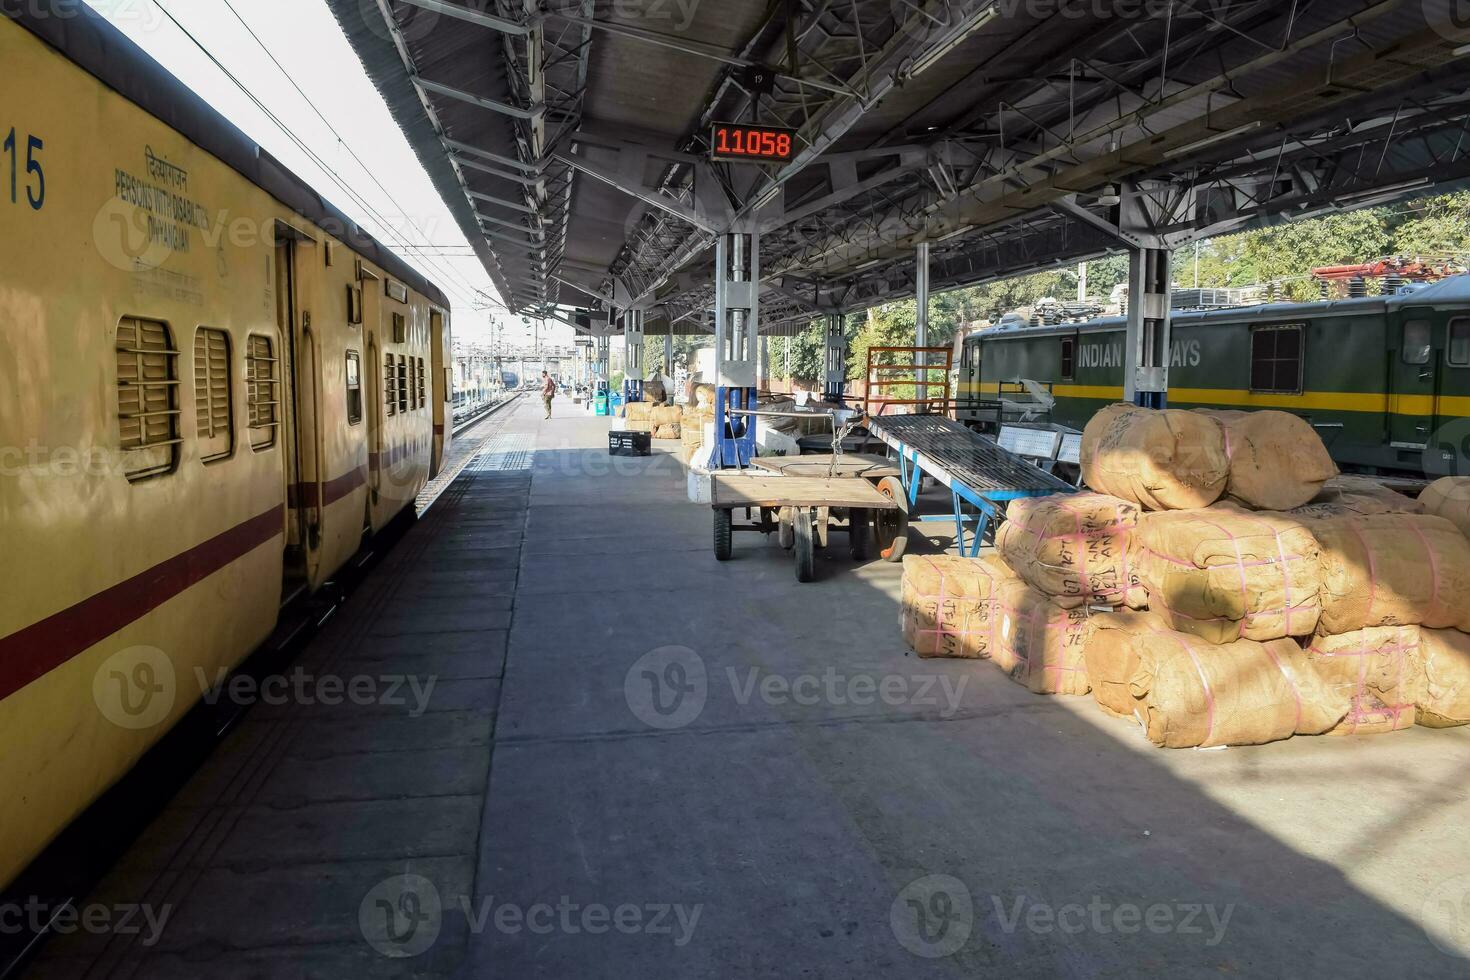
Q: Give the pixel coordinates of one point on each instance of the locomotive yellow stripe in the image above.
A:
(1111, 393)
(1337, 401)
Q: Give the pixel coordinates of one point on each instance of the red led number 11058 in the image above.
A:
(731, 142)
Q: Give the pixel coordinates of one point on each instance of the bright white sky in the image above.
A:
(303, 36)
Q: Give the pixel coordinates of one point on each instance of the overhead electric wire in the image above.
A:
(470, 299)
(340, 140)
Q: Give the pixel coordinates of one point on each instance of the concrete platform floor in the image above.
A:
(636, 761)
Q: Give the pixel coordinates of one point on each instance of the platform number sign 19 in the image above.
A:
(35, 180)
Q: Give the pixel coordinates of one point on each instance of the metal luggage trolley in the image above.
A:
(980, 475)
(800, 508)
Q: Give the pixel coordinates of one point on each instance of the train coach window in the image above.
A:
(354, 305)
(390, 386)
(400, 329)
(354, 387)
(1417, 342)
(262, 391)
(1459, 345)
(402, 383)
(147, 398)
(1276, 359)
(212, 410)
(1069, 359)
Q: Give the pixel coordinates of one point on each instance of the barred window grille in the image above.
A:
(212, 394)
(422, 400)
(402, 383)
(147, 398)
(354, 387)
(390, 386)
(263, 395)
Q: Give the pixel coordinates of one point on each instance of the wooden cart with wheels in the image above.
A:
(809, 506)
(889, 527)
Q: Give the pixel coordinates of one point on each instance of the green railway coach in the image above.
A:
(1385, 380)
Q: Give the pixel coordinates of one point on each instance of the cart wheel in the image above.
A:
(806, 558)
(723, 533)
(785, 532)
(821, 520)
(859, 544)
(891, 527)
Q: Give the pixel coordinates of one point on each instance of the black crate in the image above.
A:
(627, 443)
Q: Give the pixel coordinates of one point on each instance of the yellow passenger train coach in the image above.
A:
(214, 387)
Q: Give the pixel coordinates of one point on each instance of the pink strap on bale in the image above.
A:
(1204, 683)
(1433, 573)
(1372, 571)
(1290, 682)
(1116, 529)
(1359, 713)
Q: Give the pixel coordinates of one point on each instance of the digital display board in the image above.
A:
(744, 141)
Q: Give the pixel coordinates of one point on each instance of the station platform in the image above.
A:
(610, 755)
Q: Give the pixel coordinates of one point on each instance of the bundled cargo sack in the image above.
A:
(947, 606)
(1188, 693)
(1111, 656)
(1393, 570)
(1040, 644)
(638, 412)
(1160, 460)
(666, 431)
(665, 414)
(1449, 497)
(1277, 460)
(1446, 697)
(1353, 496)
(1073, 547)
(1225, 574)
(639, 425)
(1379, 671)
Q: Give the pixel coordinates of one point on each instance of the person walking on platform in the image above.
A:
(548, 391)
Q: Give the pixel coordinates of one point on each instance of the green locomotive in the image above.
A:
(1385, 380)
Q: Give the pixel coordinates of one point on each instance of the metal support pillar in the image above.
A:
(763, 368)
(669, 354)
(633, 356)
(600, 388)
(834, 358)
(1146, 349)
(737, 291)
(921, 313)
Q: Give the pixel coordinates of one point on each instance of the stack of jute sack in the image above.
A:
(660, 420)
(978, 609)
(692, 422)
(666, 421)
(1027, 607)
(638, 416)
(1227, 588)
(1302, 603)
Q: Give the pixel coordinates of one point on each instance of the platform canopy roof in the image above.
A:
(570, 138)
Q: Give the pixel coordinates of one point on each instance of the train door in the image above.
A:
(1412, 386)
(375, 417)
(439, 386)
(304, 490)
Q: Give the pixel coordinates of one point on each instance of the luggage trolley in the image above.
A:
(802, 498)
(980, 475)
(801, 509)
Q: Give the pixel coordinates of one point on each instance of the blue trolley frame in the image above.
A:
(988, 505)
